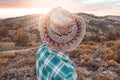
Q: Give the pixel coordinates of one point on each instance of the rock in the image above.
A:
(88, 78)
(112, 68)
(100, 69)
(100, 62)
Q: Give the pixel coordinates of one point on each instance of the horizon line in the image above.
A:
(17, 12)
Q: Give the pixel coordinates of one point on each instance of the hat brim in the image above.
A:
(66, 47)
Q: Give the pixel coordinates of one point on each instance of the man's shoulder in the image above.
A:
(41, 50)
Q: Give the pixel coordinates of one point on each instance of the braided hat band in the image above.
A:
(61, 31)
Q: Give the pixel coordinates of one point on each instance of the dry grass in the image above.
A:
(86, 59)
(6, 46)
(110, 63)
(113, 34)
(110, 55)
(102, 76)
(80, 73)
(117, 50)
(22, 63)
(114, 53)
(8, 55)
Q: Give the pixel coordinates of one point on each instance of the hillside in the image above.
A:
(95, 25)
(96, 58)
(101, 24)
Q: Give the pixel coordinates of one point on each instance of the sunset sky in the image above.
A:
(13, 8)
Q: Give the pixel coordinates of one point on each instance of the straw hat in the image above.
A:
(60, 30)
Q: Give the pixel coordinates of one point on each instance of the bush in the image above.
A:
(3, 31)
(21, 38)
(107, 76)
(113, 34)
(80, 72)
(95, 38)
(110, 63)
(109, 44)
(86, 59)
(113, 54)
(117, 50)
(110, 55)
(117, 45)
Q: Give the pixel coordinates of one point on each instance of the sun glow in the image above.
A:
(13, 12)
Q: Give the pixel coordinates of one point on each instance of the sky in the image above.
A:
(13, 8)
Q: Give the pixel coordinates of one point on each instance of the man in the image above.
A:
(60, 31)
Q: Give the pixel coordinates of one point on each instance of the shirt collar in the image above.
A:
(60, 54)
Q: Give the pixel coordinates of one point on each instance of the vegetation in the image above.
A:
(96, 58)
(21, 38)
(113, 34)
(3, 31)
(113, 54)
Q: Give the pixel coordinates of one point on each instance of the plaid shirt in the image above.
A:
(54, 66)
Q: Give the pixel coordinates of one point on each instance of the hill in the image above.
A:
(96, 58)
(95, 24)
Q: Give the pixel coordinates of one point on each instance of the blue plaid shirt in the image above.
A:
(54, 66)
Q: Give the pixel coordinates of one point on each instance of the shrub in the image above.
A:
(3, 31)
(21, 38)
(95, 38)
(86, 59)
(80, 72)
(117, 50)
(3, 61)
(74, 53)
(110, 44)
(38, 35)
(113, 54)
(110, 55)
(110, 63)
(102, 77)
(107, 76)
(113, 34)
(117, 45)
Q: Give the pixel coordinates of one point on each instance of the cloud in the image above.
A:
(113, 4)
(93, 6)
(29, 3)
(110, 4)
